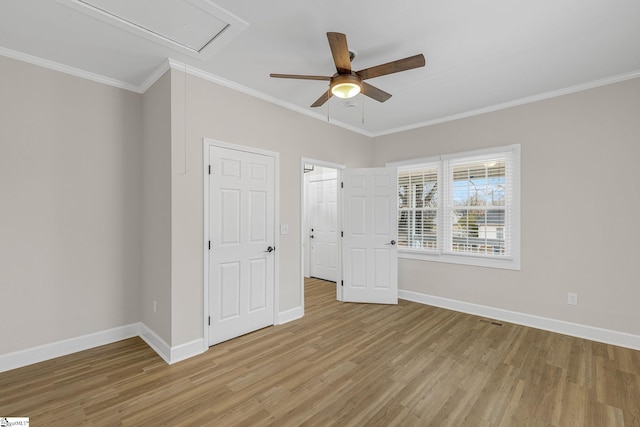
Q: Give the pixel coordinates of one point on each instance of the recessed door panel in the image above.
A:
(230, 168)
(229, 298)
(358, 182)
(381, 277)
(257, 284)
(258, 172)
(358, 220)
(258, 216)
(381, 211)
(358, 274)
(229, 217)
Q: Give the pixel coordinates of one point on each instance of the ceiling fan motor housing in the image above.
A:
(346, 85)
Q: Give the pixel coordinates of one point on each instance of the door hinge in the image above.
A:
(342, 234)
(341, 282)
(209, 169)
(209, 320)
(209, 244)
(342, 185)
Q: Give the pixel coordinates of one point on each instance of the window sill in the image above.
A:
(506, 263)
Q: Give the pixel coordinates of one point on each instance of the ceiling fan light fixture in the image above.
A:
(345, 86)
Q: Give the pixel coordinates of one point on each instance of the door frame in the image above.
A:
(303, 233)
(206, 144)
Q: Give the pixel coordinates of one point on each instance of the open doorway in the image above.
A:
(320, 221)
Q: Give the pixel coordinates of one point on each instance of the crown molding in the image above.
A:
(155, 75)
(55, 66)
(515, 103)
(179, 66)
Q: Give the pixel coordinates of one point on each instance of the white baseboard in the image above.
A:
(184, 351)
(607, 336)
(187, 350)
(41, 353)
(154, 341)
(290, 315)
(170, 354)
(44, 352)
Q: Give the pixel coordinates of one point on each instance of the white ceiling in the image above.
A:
(481, 55)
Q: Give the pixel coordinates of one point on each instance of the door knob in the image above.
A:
(270, 249)
(311, 236)
(392, 243)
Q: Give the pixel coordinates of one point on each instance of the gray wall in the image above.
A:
(70, 212)
(580, 199)
(101, 213)
(156, 208)
(219, 113)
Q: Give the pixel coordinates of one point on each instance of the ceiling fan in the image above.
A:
(346, 83)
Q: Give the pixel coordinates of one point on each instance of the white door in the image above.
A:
(323, 228)
(242, 233)
(370, 270)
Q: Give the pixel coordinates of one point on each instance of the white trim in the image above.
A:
(322, 163)
(170, 63)
(276, 234)
(512, 262)
(340, 215)
(238, 147)
(506, 263)
(205, 244)
(290, 315)
(154, 341)
(44, 352)
(55, 66)
(179, 66)
(516, 102)
(472, 153)
(186, 350)
(159, 72)
(234, 26)
(154, 76)
(593, 333)
(170, 354)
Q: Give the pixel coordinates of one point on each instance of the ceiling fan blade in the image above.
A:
(298, 76)
(340, 52)
(323, 98)
(405, 64)
(375, 93)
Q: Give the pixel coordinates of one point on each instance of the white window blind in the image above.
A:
(461, 208)
(477, 212)
(418, 207)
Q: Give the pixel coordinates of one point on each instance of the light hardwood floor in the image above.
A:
(342, 364)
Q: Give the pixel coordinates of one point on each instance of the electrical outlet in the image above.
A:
(155, 307)
(572, 299)
(284, 228)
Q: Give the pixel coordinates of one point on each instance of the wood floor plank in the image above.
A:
(342, 365)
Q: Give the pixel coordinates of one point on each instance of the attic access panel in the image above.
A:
(194, 27)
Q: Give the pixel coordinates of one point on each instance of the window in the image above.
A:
(418, 207)
(461, 208)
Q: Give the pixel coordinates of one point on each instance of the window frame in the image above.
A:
(510, 262)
